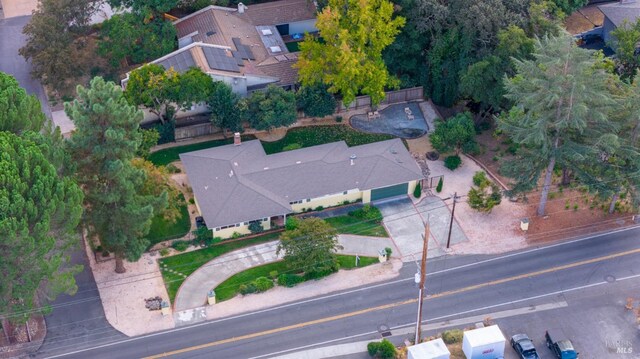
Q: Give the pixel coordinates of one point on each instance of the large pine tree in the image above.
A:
(562, 103)
(104, 143)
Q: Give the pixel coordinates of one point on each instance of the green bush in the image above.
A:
(439, 186)
(388, 252)
(180, 246)
(452, 336)
(367, 213)
(291, 147)
(383, 350)
(172, 168)
(319, 208)
(292, 223)
(263, 284)
(255, 227)
(452, 162)
(289, 280)
(245, 289)
(192, 201)
(317, 274)
(273, 274)
(338, 119)
(417, 192)
(164, 252)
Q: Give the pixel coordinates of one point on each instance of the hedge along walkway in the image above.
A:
(193, 292)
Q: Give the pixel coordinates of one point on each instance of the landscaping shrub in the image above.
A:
(452, 162)
(338, 119)
(319, 208)
(255, 227)
(291, 147)
(383, 350)
(439, 186)
(292, 223)
(245, 289)
(452, 336)
(388, 251)
(273, 274)
(484, 195)
(417, 192)
(317, 274)
(367, 213)
(263, 284)
(289, 280)
(167, 132)
(192, 201)
(180, 246)
(164, 252)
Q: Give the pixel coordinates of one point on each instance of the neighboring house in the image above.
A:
(615, 14)
(237, 184)
(244, 46)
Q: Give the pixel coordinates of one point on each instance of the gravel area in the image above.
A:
(495, 232)
(123, 295)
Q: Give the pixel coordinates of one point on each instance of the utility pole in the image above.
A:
(453, 210)
(423, 276)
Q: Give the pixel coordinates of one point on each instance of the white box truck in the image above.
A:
(433, 349)
(484, 343)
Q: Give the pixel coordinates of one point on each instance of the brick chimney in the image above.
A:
(236, 139)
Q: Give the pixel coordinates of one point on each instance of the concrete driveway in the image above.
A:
(405, 223)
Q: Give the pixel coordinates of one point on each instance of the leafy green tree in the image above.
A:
(625, 43)
(545, 18)
(455, 134)
(39, 214)
(484, 195)
(561, 100)
(104, 143)
(54, 40)
(149, 138)
(158, 183)
(483, 80)
(316, 101)
(129, 37)
(146, 8)
(164, 92)
(569, 6)
(349, 60)
(19, 112)
(226, 108)
(311, 247)
(271, 108)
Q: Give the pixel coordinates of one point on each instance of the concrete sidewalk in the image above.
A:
(193, 292)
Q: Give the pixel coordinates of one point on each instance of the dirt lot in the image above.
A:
(569, 212)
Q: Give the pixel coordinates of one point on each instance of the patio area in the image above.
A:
(404, 120)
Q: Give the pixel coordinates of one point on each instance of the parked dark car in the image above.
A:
(561, 348)
(200, 222)
(524, 347)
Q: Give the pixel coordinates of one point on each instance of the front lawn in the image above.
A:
(231, 287)
(318, 135)
(162, 230)
(354, 225)
(187, 263)
(168, 155)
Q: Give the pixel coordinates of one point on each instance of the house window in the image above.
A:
(237, 224)
(308, 199)
(246, 223)
(265, 219)
(345, 192)
(217, 229)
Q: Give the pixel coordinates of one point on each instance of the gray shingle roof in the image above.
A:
(235, 184)
(618, 12)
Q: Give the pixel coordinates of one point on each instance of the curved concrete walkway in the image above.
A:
(193, 291)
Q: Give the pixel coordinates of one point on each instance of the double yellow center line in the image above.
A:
(393, 305)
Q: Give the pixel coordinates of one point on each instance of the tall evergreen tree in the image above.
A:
(39, 212)
(104, 143)
(19, 112)
(561, 102)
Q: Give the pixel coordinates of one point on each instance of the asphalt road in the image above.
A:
(12, 39)
(458, 287)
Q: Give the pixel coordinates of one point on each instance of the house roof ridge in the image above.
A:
(202, 11)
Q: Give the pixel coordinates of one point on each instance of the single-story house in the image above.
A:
(246, 46)
(615, 14)
(237, 184)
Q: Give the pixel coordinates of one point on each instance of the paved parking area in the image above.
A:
(405, 224)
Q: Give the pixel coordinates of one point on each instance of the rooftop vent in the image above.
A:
(266, 168)
(231, 173)
(235, 164)
(275, 49)
(206, 188)
(267, 32)
(211, 33)
(298, 162)
(353, 157)
(241, 8)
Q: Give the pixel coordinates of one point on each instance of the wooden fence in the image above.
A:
(391, 97)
